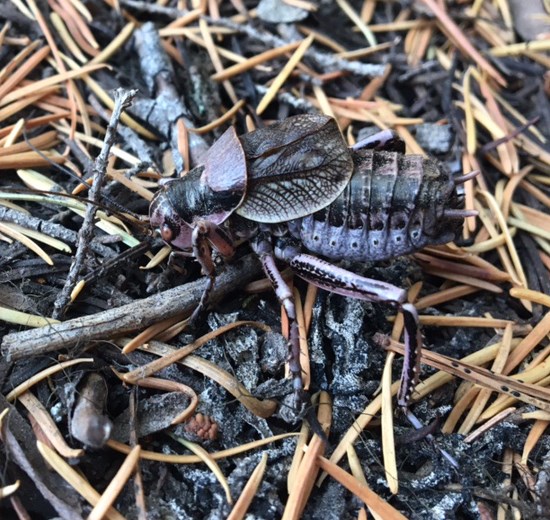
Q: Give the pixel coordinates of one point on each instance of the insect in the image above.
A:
(295, 190)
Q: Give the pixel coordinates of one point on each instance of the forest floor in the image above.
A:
(113, 405)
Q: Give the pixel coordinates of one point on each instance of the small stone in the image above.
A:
(276, 11)
(436, 139)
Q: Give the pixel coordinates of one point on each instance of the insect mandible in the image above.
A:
(295, 186)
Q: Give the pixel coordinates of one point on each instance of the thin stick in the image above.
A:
(128, 318)
(122, 100)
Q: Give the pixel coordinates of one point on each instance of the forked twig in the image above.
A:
(123, 98)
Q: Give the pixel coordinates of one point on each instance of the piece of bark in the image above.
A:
(155, 413)
(128, 318)
(163, 111)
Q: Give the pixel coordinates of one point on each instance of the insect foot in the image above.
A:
(344, 282)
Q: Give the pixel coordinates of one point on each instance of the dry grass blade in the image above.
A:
(36, 86)
(291, 482)
(210, 462)
(388, 441)
(304, 347)
(308, 469)
(541, 330)
(151, 332)
(484, 273)
(40, 237)
(130, 184)
(26, 385)
(445, 295)
(30, 160)
(528, 294)
(23, 70)
(471, 135)
(169, 386)
(484, 395)
(9, 490)
(98, 143)
(311, 295)
(43, 141)
(284, 74)
(104, 504)
(521, 48)
(264, 408)
(220, 121)
(534, 436)
(105, 98)
(11, 67)
(74, 479)
(66, 37)
(369, 497)
(356, 19)
(357, 472)
(115, 44)
(461, 321)
(517, 389)
(489, 424)
(194, 459)
(504, 228)
(215, 59)
(179, 354)
(47, 425)
(245, 499)
(24, 318)
(40, 182)
(360, 423)
(507, 151)
(268, 55)
(459, 39)
(35, 122)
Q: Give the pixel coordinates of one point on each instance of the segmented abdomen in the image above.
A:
(393, 205)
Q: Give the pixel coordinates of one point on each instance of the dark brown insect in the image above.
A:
(295, 186)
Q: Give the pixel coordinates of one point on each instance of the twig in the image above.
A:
(50, 228)
(323, 60)
(128, 318)
(123, 99)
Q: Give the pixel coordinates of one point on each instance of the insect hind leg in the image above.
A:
(344, 282)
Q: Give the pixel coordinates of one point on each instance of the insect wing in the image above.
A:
(295, 168)
(225, 164)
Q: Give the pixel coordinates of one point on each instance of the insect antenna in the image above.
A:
(123, 213)
(113, 263)
(119, 209)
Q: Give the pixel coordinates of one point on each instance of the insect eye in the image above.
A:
(166, 233)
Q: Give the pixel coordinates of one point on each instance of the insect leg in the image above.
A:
(204, 234)
(340, 281)
(262, 247)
